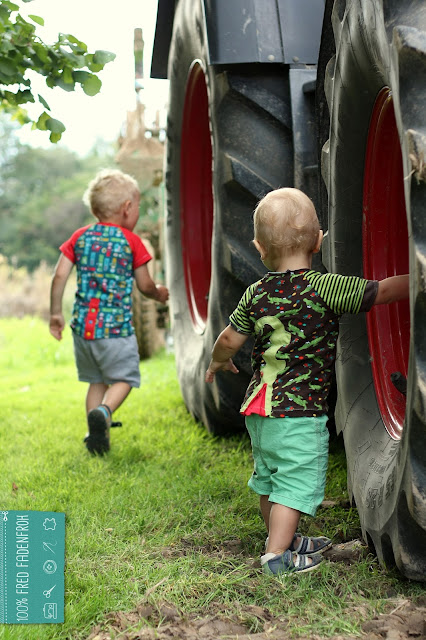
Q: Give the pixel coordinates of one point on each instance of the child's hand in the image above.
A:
(162, 293)
(57, 325)
(214, 367)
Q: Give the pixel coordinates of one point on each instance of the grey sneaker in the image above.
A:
(318, 544)
(289, 562)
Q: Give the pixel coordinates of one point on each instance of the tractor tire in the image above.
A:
(145, 315)
(229, 142)
(373, 167)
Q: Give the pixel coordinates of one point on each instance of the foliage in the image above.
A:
(64, 64)
(167, 515)
(41, 198)
(23, 293)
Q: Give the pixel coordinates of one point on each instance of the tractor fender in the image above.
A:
(248, 31)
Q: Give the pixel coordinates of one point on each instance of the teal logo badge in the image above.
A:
(32, 554)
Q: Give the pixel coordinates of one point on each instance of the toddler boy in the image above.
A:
(293, 312)
(108, 256)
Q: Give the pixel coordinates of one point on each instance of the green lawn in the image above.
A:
(167, 514)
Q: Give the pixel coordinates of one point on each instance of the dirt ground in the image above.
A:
(404, 620)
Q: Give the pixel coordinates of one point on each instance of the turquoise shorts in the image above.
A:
(290, 460)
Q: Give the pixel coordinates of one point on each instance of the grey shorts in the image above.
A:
(107, 360)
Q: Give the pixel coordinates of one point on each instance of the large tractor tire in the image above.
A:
(374, 171)
(229, 142)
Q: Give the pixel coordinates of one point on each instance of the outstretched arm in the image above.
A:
(147, 286)
(62, 271)
(392, 289)
(225, 347)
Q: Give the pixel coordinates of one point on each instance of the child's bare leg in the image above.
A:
(265, 507)
(101, 401)
(95, 395)
(283, 523)
(115, 395)
(314, 545)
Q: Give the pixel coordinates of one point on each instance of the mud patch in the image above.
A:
(165, 621)
(404, 621)
(347, 552)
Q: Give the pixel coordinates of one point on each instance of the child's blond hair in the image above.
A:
(108, 190)
(285, 222)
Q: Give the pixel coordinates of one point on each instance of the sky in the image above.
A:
(101, 25)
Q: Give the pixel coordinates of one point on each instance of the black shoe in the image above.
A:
(97, 440)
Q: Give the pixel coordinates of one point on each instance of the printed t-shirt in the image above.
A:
(294, 317)
(106, 257)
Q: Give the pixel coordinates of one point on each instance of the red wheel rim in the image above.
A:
(385, 253)
(196, 198)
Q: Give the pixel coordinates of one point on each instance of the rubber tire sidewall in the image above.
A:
(193, 349)
(380, 474)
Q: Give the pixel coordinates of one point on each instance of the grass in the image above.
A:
(166, 516)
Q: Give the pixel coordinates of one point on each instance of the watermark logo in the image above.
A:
(28, 542)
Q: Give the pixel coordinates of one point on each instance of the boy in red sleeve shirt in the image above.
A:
(108, 256)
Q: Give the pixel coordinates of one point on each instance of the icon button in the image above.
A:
(50, 610)
(50, 566)
(47, 546)
(49, 524)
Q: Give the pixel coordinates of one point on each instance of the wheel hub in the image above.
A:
(196, 196)
(385, 253)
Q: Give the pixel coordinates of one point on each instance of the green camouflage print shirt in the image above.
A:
(294, 317)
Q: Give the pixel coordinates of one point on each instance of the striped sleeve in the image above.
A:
(240, 318)
(343, 294)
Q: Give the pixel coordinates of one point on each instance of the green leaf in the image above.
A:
(67, 75)
(80, 76)
(63, 84)
(75, 60)
(41, 122)
(24, 96)
(95, 67)
(43, 102)
(102, 57)
(7, 67)
(55, 126)
(55, 137)
(41, 52)
(91, 86)
(4, 14)
(10, 5)
(4, 79)
(37, 19)
(9, 96)
(81, 45)
(26, 30)
(15, 79)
